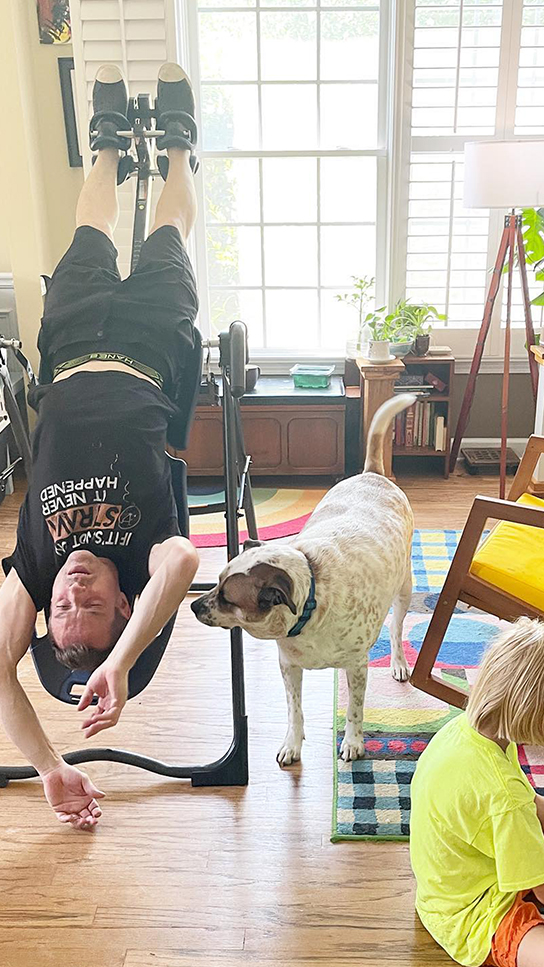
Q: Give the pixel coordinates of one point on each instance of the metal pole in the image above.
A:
(246, 493)
(233, 541)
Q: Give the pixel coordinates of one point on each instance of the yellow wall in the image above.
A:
(38, 188)
(4, 251)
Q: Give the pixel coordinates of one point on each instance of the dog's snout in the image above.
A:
(196, 606)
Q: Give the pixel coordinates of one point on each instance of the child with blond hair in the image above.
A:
(476, 829)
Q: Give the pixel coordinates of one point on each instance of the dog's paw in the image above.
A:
(400, 671)
(290, 751)
(353, 747)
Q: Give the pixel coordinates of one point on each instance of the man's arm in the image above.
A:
(17, 620)
(69, 792)
(172, 567)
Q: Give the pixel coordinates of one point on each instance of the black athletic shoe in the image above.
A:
(110, 105)
(176, 110)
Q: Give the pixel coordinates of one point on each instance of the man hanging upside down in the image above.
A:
(98, 542)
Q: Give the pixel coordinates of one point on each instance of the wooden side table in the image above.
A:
(377, 382)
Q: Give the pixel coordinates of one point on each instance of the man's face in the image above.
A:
(84, 599)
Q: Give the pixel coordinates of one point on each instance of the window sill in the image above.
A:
(274, 363)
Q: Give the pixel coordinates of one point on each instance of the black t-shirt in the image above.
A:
(100, 482)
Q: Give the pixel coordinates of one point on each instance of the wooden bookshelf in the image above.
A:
(444, 368)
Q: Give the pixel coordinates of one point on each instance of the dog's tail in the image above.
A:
(379, 427)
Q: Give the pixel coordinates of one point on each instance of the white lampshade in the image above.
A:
(504, 174)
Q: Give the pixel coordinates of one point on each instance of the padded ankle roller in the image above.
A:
(180, 130)
(103, 131)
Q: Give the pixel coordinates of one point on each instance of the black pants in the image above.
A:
(149, 315)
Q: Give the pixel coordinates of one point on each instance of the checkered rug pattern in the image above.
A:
(372, 795)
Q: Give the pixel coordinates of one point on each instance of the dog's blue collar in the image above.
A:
(308, 609)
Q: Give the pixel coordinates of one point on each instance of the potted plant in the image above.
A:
(358, 299)
(415, 321)
(383, 328)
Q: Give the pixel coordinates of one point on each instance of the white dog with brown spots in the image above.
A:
(324, 594)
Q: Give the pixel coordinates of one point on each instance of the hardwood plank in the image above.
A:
(63, 957)
(110, 942)
(34, 909)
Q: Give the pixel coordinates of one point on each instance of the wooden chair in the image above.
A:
(504, 576)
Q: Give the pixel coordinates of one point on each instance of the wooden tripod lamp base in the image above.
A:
(495, 173)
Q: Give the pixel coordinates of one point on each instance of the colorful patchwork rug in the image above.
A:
(372, 795)
(280, 513)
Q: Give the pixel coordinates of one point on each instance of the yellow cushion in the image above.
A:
(512, 558)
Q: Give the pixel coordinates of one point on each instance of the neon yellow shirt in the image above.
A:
(475, 838)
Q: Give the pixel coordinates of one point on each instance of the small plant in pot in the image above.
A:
(416, 322)
(384, 329)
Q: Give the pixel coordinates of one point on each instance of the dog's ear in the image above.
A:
(251, 543)
(277, 587)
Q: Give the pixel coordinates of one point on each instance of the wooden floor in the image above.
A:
(183, 877)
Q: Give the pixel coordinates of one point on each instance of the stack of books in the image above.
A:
(421, 426)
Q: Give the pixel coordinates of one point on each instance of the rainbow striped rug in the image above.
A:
(372, 795)
(280, 513)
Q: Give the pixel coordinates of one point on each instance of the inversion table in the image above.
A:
(232, 767)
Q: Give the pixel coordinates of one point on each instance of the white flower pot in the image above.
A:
(378, 351)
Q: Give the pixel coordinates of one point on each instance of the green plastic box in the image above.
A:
(311, 377)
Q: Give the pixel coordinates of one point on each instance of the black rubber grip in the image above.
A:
(238, 358)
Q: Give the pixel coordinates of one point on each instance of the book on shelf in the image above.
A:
(417, 383)
(439, 433)
(409, 418)
(420, 389)
(423, 426)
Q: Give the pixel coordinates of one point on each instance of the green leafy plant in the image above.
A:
(532, 226)
(416, 320)
(384, 326)
(361, 295)
(403, 324)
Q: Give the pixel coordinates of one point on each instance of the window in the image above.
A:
(478, 73)
(293, 102)
(332, 145)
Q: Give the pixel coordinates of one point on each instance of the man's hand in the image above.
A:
(73, 796)
(110, 683)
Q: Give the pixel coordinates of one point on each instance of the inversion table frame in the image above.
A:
(232, 767)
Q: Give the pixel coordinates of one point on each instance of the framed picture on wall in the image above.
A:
(66, 75)
(54, 21)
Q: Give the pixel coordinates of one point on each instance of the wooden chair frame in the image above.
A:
(460, 585)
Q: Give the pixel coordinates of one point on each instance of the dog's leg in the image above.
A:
(399, 666)
(353, 744)
(292, 743)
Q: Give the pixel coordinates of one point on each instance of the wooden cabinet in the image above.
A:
(282, 439)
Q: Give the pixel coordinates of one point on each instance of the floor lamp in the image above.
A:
(502, 174)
